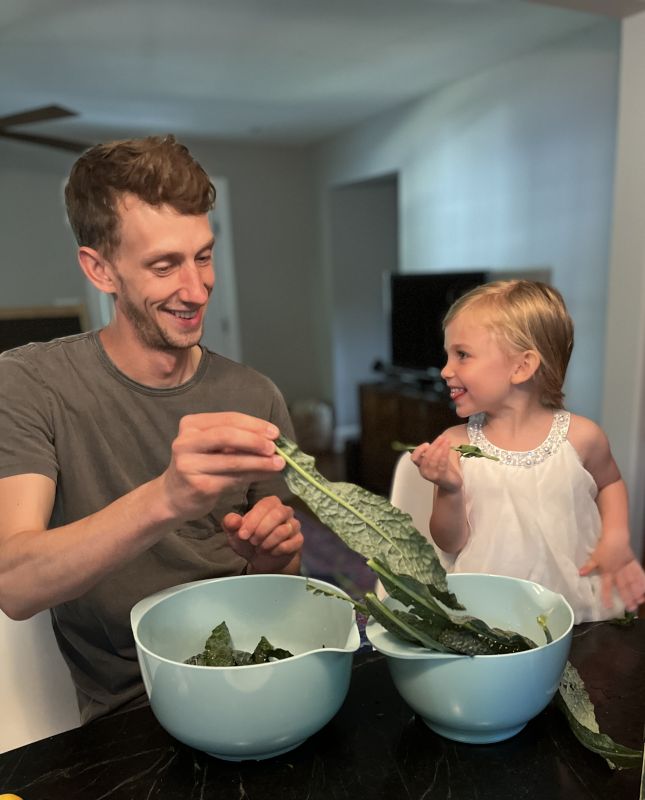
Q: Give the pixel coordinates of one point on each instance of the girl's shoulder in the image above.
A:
(592, 445)
(457, 435)
(586, 436)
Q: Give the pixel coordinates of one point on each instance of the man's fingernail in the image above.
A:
(272, 431)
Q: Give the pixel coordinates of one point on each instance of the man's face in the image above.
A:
(163, 271)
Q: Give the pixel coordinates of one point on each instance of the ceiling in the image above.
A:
(291, 71)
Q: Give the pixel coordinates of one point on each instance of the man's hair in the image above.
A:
(158, 170)
(526, 315)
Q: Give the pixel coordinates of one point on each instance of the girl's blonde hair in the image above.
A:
(526, 315)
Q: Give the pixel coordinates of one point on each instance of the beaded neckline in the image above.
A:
(528, 458)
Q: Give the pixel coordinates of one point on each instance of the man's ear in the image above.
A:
(97, 270)
(527, 365)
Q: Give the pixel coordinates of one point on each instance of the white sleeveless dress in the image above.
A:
(533, 515)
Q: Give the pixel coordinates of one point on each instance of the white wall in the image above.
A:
(624, 380)
(272, 201)
(512, 168)
(38, 252)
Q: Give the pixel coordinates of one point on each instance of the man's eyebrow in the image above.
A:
(210, 244)
(174, 255)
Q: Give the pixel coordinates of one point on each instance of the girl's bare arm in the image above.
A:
(438, 463)
(613, 556)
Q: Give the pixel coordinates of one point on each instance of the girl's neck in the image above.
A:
(519, 429)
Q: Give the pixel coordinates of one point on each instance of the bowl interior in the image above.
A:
(502, 602)
(176, 625)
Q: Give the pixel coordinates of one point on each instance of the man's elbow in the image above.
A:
(14, 607)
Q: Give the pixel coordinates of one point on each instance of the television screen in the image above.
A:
(418, 303)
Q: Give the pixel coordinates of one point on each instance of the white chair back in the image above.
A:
(412, 493)
(37, 696)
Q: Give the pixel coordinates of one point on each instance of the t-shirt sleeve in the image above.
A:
(26, 431)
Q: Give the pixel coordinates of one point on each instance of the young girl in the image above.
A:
(553, 507)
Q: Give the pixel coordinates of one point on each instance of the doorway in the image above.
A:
(364, 246)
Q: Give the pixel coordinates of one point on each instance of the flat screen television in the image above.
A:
(417, 304)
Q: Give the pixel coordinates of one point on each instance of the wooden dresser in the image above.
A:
(395, 411)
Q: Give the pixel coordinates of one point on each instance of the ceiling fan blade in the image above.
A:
(47, 141)
(39, 114)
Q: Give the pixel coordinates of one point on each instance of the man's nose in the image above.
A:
(196, 284)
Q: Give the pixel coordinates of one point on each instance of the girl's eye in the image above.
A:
(461, 355)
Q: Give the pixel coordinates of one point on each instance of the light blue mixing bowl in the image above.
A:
(255, 711)
(483, 699)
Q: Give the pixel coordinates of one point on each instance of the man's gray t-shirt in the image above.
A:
(68, 413)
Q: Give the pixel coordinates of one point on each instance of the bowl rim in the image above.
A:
(411, 651)
(147, 604)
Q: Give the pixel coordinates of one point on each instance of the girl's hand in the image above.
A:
(439, 464)
(618, 567)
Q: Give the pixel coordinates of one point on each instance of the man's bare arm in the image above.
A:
(40, 568)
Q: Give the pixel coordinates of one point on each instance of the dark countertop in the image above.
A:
(373, 748)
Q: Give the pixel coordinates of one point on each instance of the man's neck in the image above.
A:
(158, 369)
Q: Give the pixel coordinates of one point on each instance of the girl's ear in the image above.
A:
(97, 270)
(526, 366)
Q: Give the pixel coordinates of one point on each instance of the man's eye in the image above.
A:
(163, 270)
(204, 260)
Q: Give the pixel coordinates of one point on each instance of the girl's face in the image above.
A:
(478, 370)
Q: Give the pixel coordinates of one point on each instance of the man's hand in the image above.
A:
(268, 536)
(212, 453)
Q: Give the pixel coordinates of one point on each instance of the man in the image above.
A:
(131, 458)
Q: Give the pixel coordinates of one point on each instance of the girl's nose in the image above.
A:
(447, 371)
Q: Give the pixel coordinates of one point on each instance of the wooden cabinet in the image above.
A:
(395, 412)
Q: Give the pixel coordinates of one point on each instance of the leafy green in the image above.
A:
(542, 620)
(410, 571)
(360, 608)
(472, 451)
(401, 447)
(465, 450)
(366, 522)
(403, 624)
(458, 633)
(628, 619)
(574, 700)
(219, 652)
(265, 651)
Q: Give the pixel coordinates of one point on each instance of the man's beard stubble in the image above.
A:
(149, 332)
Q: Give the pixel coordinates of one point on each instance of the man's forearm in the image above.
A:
(42, 568)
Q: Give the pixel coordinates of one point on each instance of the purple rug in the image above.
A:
(327, 557)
